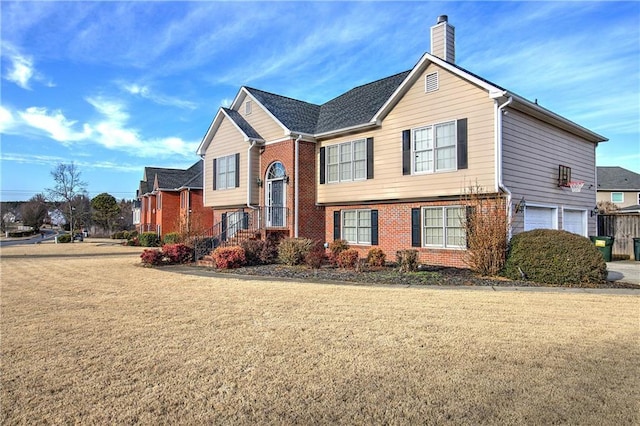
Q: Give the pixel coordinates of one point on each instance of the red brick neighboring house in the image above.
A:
(388, 164)
(170, 200)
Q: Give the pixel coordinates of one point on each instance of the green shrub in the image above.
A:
(335, 248)
(229, 257)
(316, 256)
(292, 251)
(120, 235)
(376, 257)
(149, 239)
(132, 242)
(407, 260)
(171, 238)
(348, 258)
(64, 238)
(555, 257)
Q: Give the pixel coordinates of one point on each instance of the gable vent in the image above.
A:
(431, 82)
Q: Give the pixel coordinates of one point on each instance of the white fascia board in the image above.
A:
(235, 105)
(213, 127)
(535, 110)
(244, 135)
(413, 76)
(358, 127)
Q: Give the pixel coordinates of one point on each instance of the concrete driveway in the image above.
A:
(627, 271)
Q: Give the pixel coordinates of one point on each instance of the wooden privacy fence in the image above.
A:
(623, 228)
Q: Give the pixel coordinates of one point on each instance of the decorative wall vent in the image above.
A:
(431, 82)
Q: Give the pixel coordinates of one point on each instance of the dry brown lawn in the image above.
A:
(90, 337)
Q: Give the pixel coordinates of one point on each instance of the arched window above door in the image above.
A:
(276, 171)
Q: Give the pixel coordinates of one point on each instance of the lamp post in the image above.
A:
(71, 222)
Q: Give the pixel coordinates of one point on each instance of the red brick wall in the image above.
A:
(394, 233)
(169, 213)
(201, 216)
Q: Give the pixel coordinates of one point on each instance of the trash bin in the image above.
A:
(604, 245)
(636, 249)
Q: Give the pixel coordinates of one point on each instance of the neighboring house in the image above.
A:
(620, 187)
(387, 164)
(170, 200)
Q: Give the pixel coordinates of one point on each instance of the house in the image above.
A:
(388, 164)
(620, 187)
(170, 200)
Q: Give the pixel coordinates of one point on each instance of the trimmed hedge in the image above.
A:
(149, 239)
(64, 238)
(293, 251)
(555, 257)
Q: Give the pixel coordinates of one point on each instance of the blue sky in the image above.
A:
(117, 86)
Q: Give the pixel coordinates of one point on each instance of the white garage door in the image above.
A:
(539, 218)
(574, 221)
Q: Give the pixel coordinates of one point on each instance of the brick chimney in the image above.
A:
(443, 40)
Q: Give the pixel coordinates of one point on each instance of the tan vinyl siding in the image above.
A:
(455, 99)
(227, 141)
(532, 152)
(261, 121)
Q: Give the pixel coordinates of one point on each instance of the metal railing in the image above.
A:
(236, 227)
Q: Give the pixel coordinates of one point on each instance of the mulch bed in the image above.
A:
(432, 275)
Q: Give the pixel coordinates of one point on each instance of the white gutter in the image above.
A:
(296, 185)
(253, 143)
(498, 143)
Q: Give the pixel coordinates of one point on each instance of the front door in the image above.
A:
(275, 196)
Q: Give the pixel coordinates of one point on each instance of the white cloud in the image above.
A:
(6, 120)
(146, 93)
(20, 68)
(55, 124)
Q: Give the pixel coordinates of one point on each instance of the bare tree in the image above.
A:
(68, 186)
(35, 211)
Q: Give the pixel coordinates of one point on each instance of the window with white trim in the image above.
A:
(444, 227)
(226, 172)
(347, 161)
(617, 197)
(431, 82)
(434, 148)
(356, 226)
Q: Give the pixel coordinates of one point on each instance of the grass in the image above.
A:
(88, 336)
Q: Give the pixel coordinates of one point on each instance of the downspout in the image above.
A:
(253, 143)
(296, 185)
(500, 184)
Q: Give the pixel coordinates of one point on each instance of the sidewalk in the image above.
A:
(627, 271)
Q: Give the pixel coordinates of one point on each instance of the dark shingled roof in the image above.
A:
(358, 105)
(242, 123)
(617, 178)
(297, 116)
(172, 179)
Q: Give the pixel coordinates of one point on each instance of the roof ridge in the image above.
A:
(280, 96)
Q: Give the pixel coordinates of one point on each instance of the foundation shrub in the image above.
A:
(348, 259)
(316, 256)
(292, 251)
(269, 253)
(407, 260)
(177, 253)
(171, 238)
(376, 257)
(335, 248)
(149, 239)
(229, 257)
(64, 238)
(253, 251)
(151, 257)
(132, 242)
(486, 224)
(555, 257)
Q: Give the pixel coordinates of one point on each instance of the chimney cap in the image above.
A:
(442, 18)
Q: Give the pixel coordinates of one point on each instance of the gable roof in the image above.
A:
(162, 179)
(617, 179)
(367, 105)
(242, 124)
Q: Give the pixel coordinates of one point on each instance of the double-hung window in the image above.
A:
(356, 226)
(347, 161)
(444, 227)
(226, 172)
(434, 148)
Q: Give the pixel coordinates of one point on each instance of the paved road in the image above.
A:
(35, 239)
